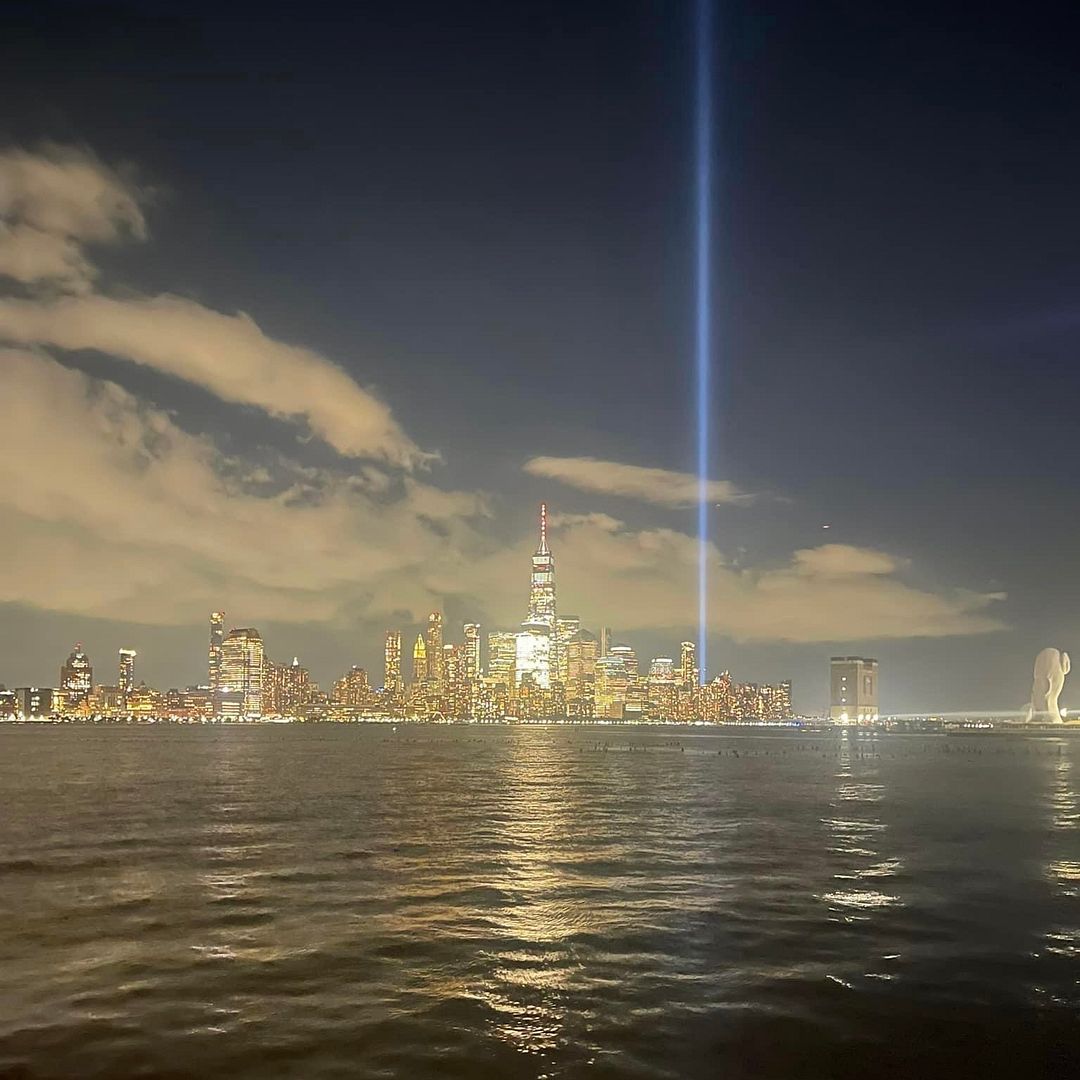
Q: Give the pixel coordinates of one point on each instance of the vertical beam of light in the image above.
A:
(703, 276)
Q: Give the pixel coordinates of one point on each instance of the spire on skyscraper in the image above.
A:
(543, 549)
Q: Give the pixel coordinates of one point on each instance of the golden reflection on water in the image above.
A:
(857, 835)
(1064, 874)
(531, 974)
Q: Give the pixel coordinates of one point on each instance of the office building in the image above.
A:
(853, 689)
(434, 643)
(392, 680)
(471, 632)
(243, 663)
(125, 683)
(76, 677)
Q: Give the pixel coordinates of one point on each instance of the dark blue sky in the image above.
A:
(482, 211)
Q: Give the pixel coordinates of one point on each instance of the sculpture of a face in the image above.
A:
(1051, 667)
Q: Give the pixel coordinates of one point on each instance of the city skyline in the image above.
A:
(323, 377)
(551, 667)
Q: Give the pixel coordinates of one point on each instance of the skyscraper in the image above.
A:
(566, 626)
(419, 660)
(471, 631)
(532, 655)
(242, 670)
(853, 689)
(126, 681)
(435, 671)
(501, 658)
(688, 671)
(217, 637)
(533, 646)
(77, 676)
(392, 682)
(542, 583)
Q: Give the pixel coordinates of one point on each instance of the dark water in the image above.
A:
(515, 902)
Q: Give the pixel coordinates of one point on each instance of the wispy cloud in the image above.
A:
(229, 355)
(662, 487)
(54, 202)
(112, 509)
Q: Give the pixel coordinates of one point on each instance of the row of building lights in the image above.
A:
(550, 667)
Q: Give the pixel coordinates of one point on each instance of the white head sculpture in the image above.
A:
(1051, 667)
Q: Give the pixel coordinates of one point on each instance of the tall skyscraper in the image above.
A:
(77, 676)
(661, 690)
(217, 638)
(502, 652)
(242, 669)
(853, 689)
(126, 681)
(435, 670)
(533, 645)
(532, 655)
(419, 660)
(542, 583)
(471, 631)
(688, 671)
(392, 682)
(566, 626)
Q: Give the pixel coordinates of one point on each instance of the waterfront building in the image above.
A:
(502, 658)
(125, 683)
(542, 580)
(582, 653)
(34, 701)
(532, 655)
(471, 632)
(610, 688)
(688, 669)
(286, 688)
(776, 701)
(353, 689)
(108, 700)
(392, 680)
(566, 626)
(217, 640)
(661, 690)
(419, 661)
(144, 700)
(435, 649)
(76, 677)
(243, 663)
(853, 689)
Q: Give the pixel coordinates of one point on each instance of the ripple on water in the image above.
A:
(318, 902)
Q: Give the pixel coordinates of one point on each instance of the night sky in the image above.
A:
(482, 215)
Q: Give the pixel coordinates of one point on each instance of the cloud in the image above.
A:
(112, 510)
(646, 580)
(29, 255)
(843, 560)
(52, 202)
(227, 355)
(662, 487)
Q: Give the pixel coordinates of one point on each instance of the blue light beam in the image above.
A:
(703, 337)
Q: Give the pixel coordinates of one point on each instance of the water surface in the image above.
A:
(355, 901)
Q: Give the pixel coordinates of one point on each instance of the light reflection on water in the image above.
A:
(527, 902)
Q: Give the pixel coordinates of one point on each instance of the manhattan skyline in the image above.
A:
(439, 332)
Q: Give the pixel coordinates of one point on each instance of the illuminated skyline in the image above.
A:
(323, 375)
